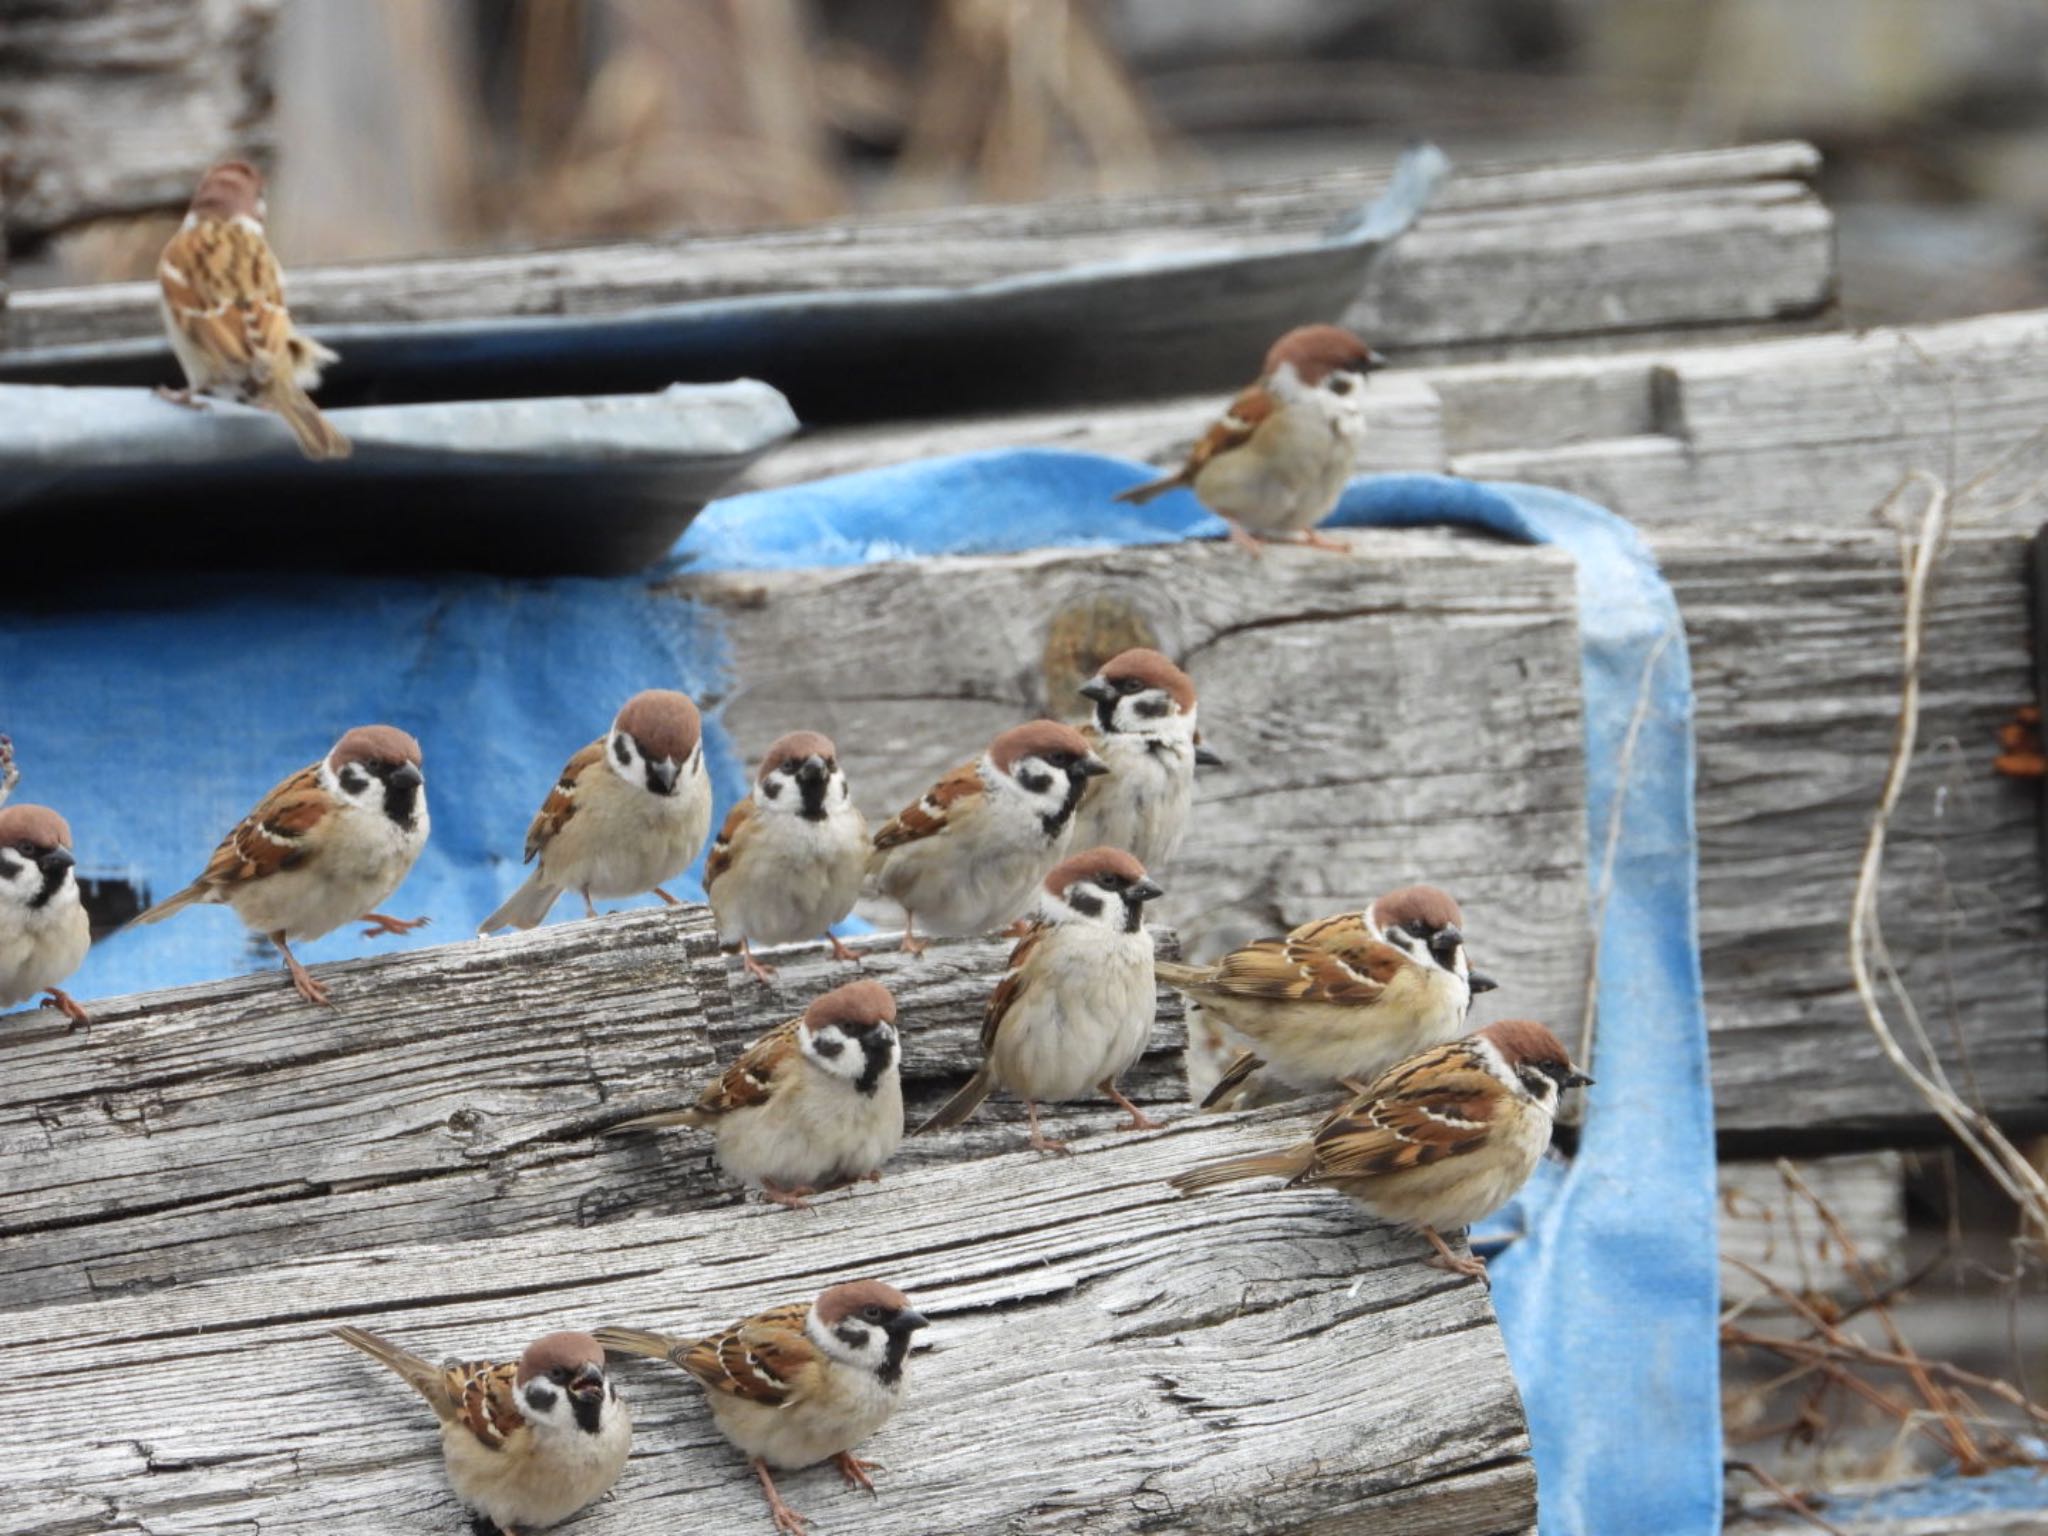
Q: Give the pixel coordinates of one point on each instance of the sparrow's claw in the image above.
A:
(666, 898)
(794, 1199)
(765, 974)
(381, 925)
(1244, 539)
(311, 990)
(1040, 1142)
(787, 1520)
(1444, 1258)
(912, 944)
(1318, 540)
(1139, 1121)
(69, 1006)
(840, 951)
(183, 397)
(856, 1471)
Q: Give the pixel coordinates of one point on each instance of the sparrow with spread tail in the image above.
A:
(1144, 728)
(1074, 1010)
(1340, 999)
(798, 1384)
(1279, 458)
(526, 1443)
(1439, 1141)
(627, 816)
(323, 848)
(812, 1105)
(223, 307)
(44, 930)
(970, 854)
(789, 861)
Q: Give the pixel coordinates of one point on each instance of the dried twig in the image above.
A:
(1785, 1496)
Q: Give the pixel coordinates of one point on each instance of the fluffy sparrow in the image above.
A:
(811, 1105)
(1340, 999)
(526, 1444)
(223, 304)
(1443, 1139)
(628, 814)
(1279, 458)
(789, 860)
(1074, 1010)
(44, 932)
(969, 855)
(1144, 728)
(322, 849)
(798, 1384)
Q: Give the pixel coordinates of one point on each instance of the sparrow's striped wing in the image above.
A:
(765, 1359)
(560, 804)
(221, 286)
(1439, 1104)
(1342, 965)
(273, 837)
(1004, 999)
(1233, 429)
(731, 841)
(751, 1079)
(481, 1395)
(932, 812)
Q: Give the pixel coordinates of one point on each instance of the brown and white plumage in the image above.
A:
(1340, 998)
(44, 929)
(323, 848)
(797, 1384)
(224, 310)
(813, 1104)
(1439, 1140)
(628, 815)
(1279, 457)
(789, 861)
(526, 1443)
(1144, 729)
(1074, 1010)
(970, 854)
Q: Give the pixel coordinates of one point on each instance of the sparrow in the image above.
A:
(321, 849)
(1144, 728)
(526, 1443)
(223, 306)
(628, 814)
(1342, 998)
(1440, 1140)
(1280, 456)
(789, 860)
(969, 855)
(44, 930)
(798, 1384)
(1074, 1009)
(814, 1104)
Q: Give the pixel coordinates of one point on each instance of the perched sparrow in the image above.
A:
(526, 1444)
(969, 855)
(1279, 458)
(1074, 1010)
(798, 1384)
(1440, 1140)
(223, 304)
(322, 849)
(1144, 728)
(789, 860)
(1340, 999)
(811, 1105)
(628, 814)
(44, 932)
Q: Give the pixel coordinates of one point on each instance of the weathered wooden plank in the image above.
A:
(112, 109)
(1611, 248)
(1345, 693)
(1766, 1224)
(458, 1092)
(1277, 1365)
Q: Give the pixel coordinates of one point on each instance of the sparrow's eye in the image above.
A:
(1130, 685)
(874, 1314)
(1420, 929)
(1340, 384)
(560, 1373)
(1112, 882)
(25, 848)
(790, 769)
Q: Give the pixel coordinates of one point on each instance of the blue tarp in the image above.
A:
(157, 721)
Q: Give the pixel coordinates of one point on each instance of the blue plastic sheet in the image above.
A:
(155, 723)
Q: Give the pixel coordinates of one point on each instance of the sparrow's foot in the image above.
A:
(311, 990)
(795, 1198)
(664, 895)
(69, 1006)
(1316, 539)
(183, 397)
(381, 925)
(1446, 1259)
(589, 906)
(1139, 1121)
(787, 1520)
(872, 1176)
(912, 944)
(840, 951)
(856, 1471)
(1018, 929)
(1040, 1142)
(765, 974)
(1244, 539)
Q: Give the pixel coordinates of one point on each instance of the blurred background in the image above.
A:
(413, 127)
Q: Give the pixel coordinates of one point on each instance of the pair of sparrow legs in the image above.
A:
(316, 991)
(766, 973)
(1139, 1121)
(1244, 538)
(787, 1520)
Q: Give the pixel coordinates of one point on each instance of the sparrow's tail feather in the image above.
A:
(525, 907)
(308, 358)
(1291, 1164)
(961, 1105)
(641, 1341)
(1233, 1078)
(690, 1116)
(423, 1378)
(1182, 977)
(170, 905)
(318, 437)
(1138, 495)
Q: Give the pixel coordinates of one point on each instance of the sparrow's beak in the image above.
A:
(1147, 889)
(664, 774)
(1373, 360)
(1480, 982)
(1576, 1079)
(588, 1382)
(1208, 757)
(811, 770)
(1092, 767)
(405, 776)
(1101, 690)
(56, 861)
(909, 1320)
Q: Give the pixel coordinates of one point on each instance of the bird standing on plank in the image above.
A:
(323, 848)
(627, 816)
(223, 307)
(1144, 728)
(1275, 463)
(44, 929)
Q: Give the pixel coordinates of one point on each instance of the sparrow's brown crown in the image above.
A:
(559, 1351)
(665, 724)
(858, 1002)
(1524, 1042)
(1041, 738)
(375, 744)
(842, 1301)
(794, 748)
(37, 825)
(1417, 904)
(1317, 351)
(1154, 671)
(231, 189)
(1093, 865)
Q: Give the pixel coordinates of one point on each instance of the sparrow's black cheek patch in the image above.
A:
(354, 780)
(1155, 709)
(10, 866)
(1085, 902)
(1034, 780)
(771, 789)
(852, 1335)
(541, 1396)
(828, 1046)
(619, 751)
